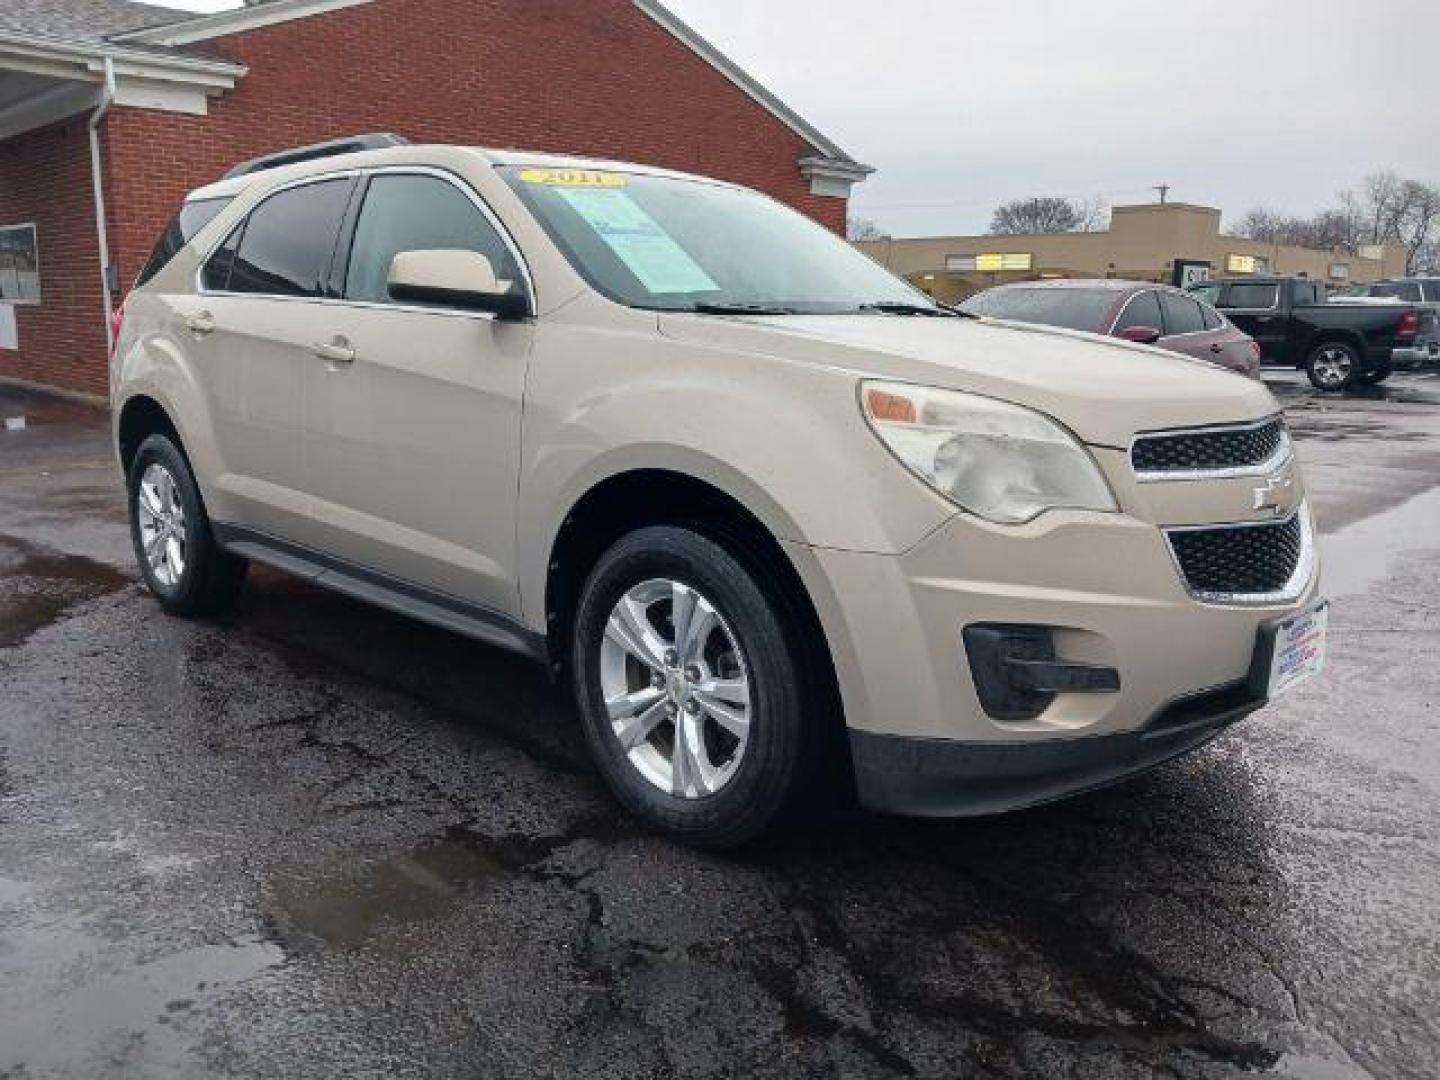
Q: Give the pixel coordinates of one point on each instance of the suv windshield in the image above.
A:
(686, 245)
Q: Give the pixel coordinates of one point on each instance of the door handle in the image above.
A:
(201, 324)
(338, 351)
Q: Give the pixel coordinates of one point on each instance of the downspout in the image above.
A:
(107, 98)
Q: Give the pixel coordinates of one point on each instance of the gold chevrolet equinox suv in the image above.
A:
(780, 520)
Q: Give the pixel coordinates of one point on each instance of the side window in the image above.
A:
(1432, 291)
(1210, 294)
(1401, 290)
(417, 213)
(1246, 295)
(193, 217)
(1142, 310)
(1182, 314)
(216, 275)
(1211, 317)
(289, 240)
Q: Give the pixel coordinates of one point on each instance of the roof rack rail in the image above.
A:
(348, 145)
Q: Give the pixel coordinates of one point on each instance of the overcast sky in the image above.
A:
(962, 104)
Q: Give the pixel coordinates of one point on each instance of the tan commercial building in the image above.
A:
(1173, 242)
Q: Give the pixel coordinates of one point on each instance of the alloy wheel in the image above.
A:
(676, 688)
(162, 525)
(1332, 365)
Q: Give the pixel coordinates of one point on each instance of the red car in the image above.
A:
(1134, 310)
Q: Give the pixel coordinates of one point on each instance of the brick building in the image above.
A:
(110, 111)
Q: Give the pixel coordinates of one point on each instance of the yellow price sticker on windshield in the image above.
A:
(577, 178)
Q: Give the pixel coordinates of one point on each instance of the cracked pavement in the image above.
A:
(320, 840)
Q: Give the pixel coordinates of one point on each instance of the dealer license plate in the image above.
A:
(1299, 650)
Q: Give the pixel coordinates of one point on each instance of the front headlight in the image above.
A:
(999, 461)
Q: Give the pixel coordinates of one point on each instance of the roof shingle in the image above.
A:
(89, 21)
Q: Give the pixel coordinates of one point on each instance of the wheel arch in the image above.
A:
(140, 417)
(623, 501)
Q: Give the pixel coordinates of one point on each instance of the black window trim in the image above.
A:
(346, 233)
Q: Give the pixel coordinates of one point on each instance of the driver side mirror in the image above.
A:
(1141, 335)
(458, 279)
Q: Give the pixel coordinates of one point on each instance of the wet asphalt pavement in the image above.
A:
(322, 841)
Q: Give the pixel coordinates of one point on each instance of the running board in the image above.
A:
(402, 597)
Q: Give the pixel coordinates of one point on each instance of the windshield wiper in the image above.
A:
(717, 308)
(900, 307)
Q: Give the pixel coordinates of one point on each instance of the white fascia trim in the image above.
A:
(238, 21)
(732, 71)
(833, 178)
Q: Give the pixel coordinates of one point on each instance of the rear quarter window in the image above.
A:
(189, 220)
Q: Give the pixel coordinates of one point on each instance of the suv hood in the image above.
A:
(1103, 389)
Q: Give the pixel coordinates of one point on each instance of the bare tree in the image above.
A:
(1385, 210)
(1037, 214)
(859, 228)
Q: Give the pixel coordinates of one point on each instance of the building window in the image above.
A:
(1340, 271)
(19, 265)
(961, 264)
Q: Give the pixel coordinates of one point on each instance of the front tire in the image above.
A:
(689, 687)
(1333, 366)
(182, 565)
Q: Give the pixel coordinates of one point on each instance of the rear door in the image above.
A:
(1254, 306)
(414, 441)
(262, 314)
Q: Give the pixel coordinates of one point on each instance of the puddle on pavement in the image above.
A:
(133, 1011)
(347, 909)
(1402, 390)
(1360, 556)
(38, 587)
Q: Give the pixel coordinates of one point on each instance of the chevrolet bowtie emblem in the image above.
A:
(1275, 495)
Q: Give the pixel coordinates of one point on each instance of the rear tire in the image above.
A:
(1333, 366)
(717, 725)
(174, 546)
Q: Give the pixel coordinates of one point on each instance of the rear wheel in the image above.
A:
(690, 690)
(174, 546)
(1333, 365)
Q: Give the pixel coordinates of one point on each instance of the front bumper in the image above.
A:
(1109, 591)
(945, 778)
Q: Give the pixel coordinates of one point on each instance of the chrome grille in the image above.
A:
(1241, 561)
(1210, 450)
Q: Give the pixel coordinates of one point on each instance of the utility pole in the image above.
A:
(1164, 190)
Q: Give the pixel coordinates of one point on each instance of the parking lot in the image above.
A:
(322, 840)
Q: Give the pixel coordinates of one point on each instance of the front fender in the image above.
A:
(784, 439)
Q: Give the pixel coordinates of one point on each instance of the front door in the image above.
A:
(413, 423)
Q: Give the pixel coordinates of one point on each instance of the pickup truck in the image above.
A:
(1421, 292)
(1337, 345)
